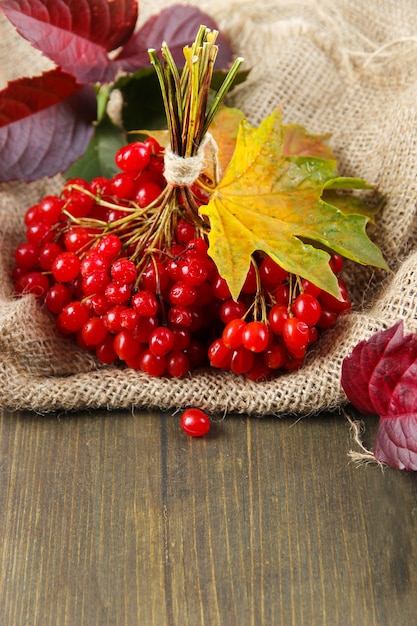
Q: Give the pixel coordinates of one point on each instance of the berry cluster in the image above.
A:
(127, 272)
(293, 312)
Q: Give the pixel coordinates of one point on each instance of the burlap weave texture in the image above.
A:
(342, 67)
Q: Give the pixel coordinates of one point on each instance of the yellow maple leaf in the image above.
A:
(271, 202)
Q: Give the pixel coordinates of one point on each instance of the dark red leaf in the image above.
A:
(396, 441)
(45, 125)
(76, 34)
(178, 26)
(380, 376)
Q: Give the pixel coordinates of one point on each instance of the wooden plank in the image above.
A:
(122, 519)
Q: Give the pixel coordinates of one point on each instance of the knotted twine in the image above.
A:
(180, 171)
(349, 69)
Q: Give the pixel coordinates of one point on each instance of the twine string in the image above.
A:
(182, 171)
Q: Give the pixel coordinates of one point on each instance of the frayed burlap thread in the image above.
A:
(349, 69)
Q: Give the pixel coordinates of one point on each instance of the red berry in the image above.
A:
(48, 254)
(255, 336)
(242, 360)
(35, 283)
(145, 303)
(331, 303)
(123, 271)
(124, 186)
(271, 274)
(66, 267)
(109, 247)
(184, 231)
(295, 333)
(26, 255)
(49, 209)
(94, 331)
(232, 333)
(72, 317)
(195, 422)
(147, 193)
(219, 354)
(105, 351)
(161, 341)
(152, 364)
(57, 297)
(231, 310)
(275, 356)
(134, 157)
(307, 308)
(277, 317)
(336, 263)
(126, 345)
(177, 364)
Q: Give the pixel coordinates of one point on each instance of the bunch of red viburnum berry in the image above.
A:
(163, 310)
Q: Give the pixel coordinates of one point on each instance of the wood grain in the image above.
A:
(119, 518)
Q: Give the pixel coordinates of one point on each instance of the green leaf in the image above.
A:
(270, 202)
(98, 160)
(143, 106)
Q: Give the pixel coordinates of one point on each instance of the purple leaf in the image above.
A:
(178, 26)
(396, 441)
(359, 367)
(76, 34)
(380, 376)
(45, 125)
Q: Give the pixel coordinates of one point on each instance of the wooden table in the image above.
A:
(121, 519)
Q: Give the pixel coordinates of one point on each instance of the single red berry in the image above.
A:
(277, 317)
(182, 294)
(161, 341)
(26, 255)
(123, 271)
(231, 310)
(134, 157)
(152, 364)
(49, 209)
(77, 238)
(242, 360)
(147, 193)
(232, 333)
(338, 305)
(124, 186)
(39, 233)
(35, 283)
(336, 263)
(275, 356)
(221, 288)
(219, 354)
(145, 303)
(109, 247)
(66, 267)
(126, 345)
(255, 336)
(47, 255)
(72, 317)
(94, 331)
(184, 231)
(105, 351)
(307, 308)
(295, 333)
(177, 364)
(57, 297)
(195, 422)
(271, 274)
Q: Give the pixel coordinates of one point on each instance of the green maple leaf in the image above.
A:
(274, 203)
